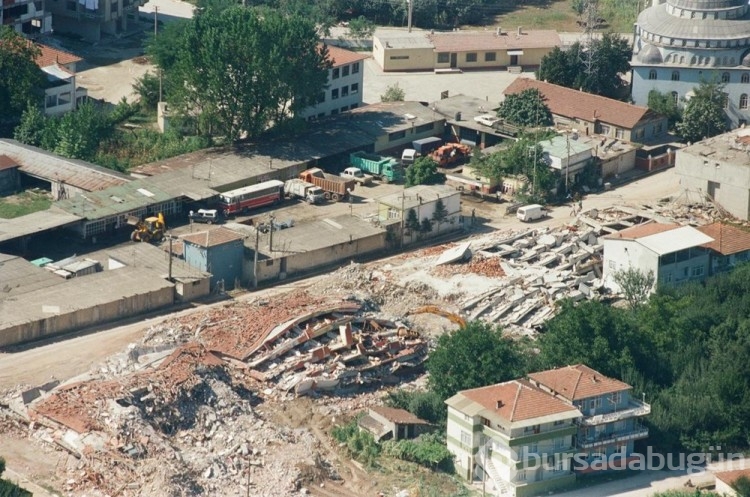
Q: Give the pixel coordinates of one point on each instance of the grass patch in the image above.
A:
(24, 203)
(559, 15)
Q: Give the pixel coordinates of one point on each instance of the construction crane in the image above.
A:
(433, 309)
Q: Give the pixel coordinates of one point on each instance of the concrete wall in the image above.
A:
(270, 269)
(64, 322)
(402, 59)
(620, 255)
(617, 165)
(530, 57)
(724, 489)
(60, 99)
(731, 182)
(187, 291)
(403, 139)
(224, 261)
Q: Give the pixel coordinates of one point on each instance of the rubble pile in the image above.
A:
(479, 264)
(186, 426)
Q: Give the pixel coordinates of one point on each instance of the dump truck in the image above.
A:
(357, 175)
(151, 229)
(334, 187)
(296, 188)
(450, 154)
(386, 168)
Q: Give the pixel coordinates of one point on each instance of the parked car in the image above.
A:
(277, 225)
(208, 216)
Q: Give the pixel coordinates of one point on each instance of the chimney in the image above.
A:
(500, 404)
(499, 31)
(595, 379)
(520, 31)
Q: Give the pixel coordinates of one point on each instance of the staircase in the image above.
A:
(501, 486)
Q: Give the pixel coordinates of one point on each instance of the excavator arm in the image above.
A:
(433, 309)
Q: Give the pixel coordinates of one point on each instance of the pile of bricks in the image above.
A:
(480, 265)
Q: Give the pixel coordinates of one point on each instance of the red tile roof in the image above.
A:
(463, 41)
(341, 57)
(212, 238)
(729, 477)
(399, 416)
(517, 400)
(728, 239)
(578, 382)
(581, 105)
(7, 163)
(50, 56)
(642, 230)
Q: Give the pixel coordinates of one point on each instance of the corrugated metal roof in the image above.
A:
(114, 201)
(148, 257)
(674, 240)
(39, 163)
(35, 223)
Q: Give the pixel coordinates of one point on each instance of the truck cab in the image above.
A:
(408, 156)
(315, 195)
(357, 175)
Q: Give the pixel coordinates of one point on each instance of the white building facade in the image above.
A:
(345, 84)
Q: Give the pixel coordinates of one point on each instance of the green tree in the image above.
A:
(664, 104)
(423, 172)
(635, 285)
(33, 126)
(426, 226)
(234, 67)
(491, 166)
(610, 61)
(22, 82)
(361, 28)
(80, 132)
(742, 486)
(561, 67)
(526, 108)
(9, 489)
(412, 221)
(704, 114)
(527, 158)
(393, 93)
(147, 89)
(440, 213)
(423, 404)
(474, 356)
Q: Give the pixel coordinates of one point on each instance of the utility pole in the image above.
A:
(270, 235)
(403, 197)
(169, 278)
(255, 262)
(567, 163)
(409, 8)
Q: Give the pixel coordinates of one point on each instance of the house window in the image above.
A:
(471, 57)
(675, 75)
(490, 56)
(344, 108)
(399, 57)
(424, 128)
(51, 101)
(745, 78)
(620, 134)
(344, 91)
(353, 106)
(465, 438)
(675, 97)
(531, 429)
(521, 475)
(533, 448)
(559, 422)
(345, 71)
(697, 271)
(322, 97)
(444, 57)
(658, 129)
(559, 443)
(334, 94)
(63, 98)
(335, 74)
(334, 112)
(652, 74)
(615, 398)
(354, 88)
(398, 135)
(355, 68)
(725, 77)
(605, 129)
(595, 403)
(743, 101)
(613, 265)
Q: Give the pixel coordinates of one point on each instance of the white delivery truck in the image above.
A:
(531, 212)
(296, 188)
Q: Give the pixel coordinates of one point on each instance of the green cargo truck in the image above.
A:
(386, 168)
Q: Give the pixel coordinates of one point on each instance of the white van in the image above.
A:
(531, 212)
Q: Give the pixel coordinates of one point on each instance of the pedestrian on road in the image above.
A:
(580, 205)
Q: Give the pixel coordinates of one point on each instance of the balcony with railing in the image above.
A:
(636, 432)
(634, 409)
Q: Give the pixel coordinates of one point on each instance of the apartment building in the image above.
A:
(345, 84)
(611, 418)
(61, 94)
(514, 437)
(27, 17)
(90, 19)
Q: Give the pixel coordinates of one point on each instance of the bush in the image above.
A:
(359, 444)
(427, 450)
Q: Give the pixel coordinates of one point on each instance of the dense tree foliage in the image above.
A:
(241, 69)
(704, 114)
(597, 69)
(526, 109)
(664, 104)
(686, 348)
(22, 82)
(474, 356)
(423, 172)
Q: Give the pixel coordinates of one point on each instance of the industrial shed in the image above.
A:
(53, 309)
(309, 246)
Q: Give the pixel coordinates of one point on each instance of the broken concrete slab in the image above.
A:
(455, 254)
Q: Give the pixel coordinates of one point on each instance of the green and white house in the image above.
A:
(514, 437)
